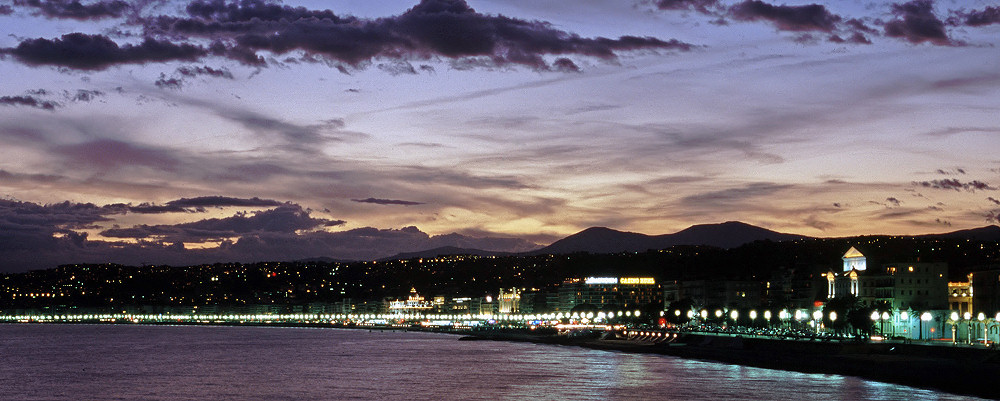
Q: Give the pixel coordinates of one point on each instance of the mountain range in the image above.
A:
(730, 234)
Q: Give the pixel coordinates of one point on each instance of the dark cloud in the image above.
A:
(432, 28)
(993, 216)
(398, 67)
(703, 6)
(858, 25)
(36, 236)
(811, 17)
(286, 218)
(30, 226)
(387, 201)
(950, 183)
(194, 71)
(163, 82)
(565, 65)
(76, 10)
(994, 200)
(199, 204)
(223, 201)
(915, 21)
(98, 52)
(986, 16)
(83, 95)
(856, 38)
(893, 201)
(943, 222)
(6, 9)
(29, 101)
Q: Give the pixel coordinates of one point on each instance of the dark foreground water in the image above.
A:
(98, 362)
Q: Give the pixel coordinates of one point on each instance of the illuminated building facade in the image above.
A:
(609, 292)
(901, 286)
(509, 301)
(960, 295)
(414, 304)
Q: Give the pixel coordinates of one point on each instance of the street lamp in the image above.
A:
(982, 319)
(926, 317)
(875, 317)
(968, 327)
(954, 327)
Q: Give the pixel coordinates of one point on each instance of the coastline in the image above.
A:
(957, 370)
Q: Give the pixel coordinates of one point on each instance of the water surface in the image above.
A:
(136, 362)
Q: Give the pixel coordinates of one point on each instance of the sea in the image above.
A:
(154, 362)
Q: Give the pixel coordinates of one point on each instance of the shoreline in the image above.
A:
(956, 370)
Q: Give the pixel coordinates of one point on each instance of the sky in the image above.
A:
(183, 132)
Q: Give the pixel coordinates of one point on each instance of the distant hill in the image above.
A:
(605, 240)
(730, 234)
(445, 251)
(987, 233)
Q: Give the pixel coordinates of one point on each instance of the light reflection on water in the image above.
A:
(198, 362)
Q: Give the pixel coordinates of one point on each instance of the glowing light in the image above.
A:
(637, 280)
(600, 280)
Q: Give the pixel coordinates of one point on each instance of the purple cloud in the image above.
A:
(29, 101)
(915, 21)
(75, 10)
(703, 6)
(98, 52)
(811, 17)
(950, 183)
(986, 16)
(387, 201)
(199, 204)
(432, 28)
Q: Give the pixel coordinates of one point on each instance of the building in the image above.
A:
(413, 304)
(899, 286)
(609, 292)
(509, 301)
(985, 285)
(738, 294)
(960, 295)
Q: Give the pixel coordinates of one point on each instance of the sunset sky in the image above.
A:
(196, 131)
